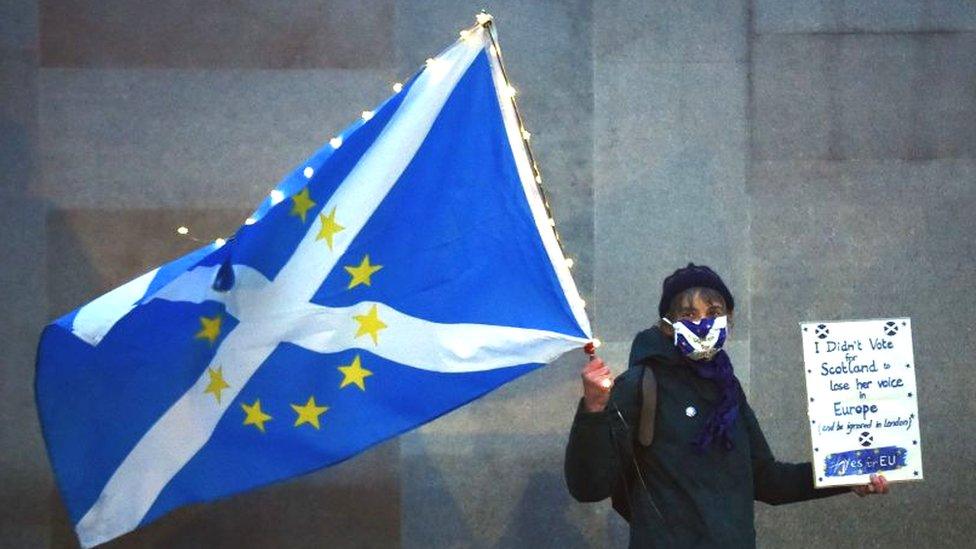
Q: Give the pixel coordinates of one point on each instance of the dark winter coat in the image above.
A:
(691, 499)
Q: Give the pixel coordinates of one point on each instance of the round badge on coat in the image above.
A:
(691, 411)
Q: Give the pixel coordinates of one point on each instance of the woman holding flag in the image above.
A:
(673, 440)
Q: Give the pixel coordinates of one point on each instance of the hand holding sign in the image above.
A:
(862, 402)
(878, 485)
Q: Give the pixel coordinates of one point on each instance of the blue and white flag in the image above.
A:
(404, 270)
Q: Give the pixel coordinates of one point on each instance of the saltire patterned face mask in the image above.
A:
(700, 340)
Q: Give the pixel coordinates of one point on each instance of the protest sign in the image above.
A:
(862, 400)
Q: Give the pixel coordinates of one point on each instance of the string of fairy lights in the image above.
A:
(483, 20)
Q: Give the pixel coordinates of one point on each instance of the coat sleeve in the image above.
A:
(591, 467)
(600, 442)
(775, 482)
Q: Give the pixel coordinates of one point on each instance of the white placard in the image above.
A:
(862, 400)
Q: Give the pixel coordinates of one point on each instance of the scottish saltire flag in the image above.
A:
(405, 269)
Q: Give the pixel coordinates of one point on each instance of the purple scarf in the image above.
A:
(718, 427)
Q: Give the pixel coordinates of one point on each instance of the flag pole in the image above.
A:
(485, 19)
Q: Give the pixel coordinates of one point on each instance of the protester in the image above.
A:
(673, 439)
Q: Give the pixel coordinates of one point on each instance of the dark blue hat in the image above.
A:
(692, 276)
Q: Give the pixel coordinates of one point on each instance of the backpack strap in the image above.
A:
(647, 397)
(645, 430)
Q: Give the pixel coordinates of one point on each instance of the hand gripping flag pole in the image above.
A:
(406, 268)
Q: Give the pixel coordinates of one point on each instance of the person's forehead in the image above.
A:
(699, 297)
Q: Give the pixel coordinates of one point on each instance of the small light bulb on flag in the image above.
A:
(219, 242)
(464, 34)
(569, 263)
(552, 222)
(511, 91)
(276, 196)
(538, 178)
(397, 87)
(367, 115)
(250, 221)
(483, 18)
(308, 172)
(182, 230)
(437, 68)
(526, 135)
(596, 343)
(336, 142)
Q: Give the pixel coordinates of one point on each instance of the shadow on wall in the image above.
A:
(493, 491)
(353, 504)
(536, 518)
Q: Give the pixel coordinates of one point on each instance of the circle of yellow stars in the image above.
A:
(369, 324)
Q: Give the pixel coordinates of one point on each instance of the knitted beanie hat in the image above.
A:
(692, 276)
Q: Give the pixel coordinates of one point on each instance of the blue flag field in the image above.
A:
(405, 269)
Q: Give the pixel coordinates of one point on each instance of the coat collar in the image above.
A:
(652, 345)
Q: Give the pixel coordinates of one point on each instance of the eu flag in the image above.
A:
(405, 269)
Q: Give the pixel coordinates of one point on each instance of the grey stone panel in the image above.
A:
(495, 491)
(826, 97)
(549, 39)
(18, 123)
(670, 185)
(423, 29)
(672, 31)
(177, 138)
(863, 16)
(25, 475)
(18, 26)
(941, 508)
(210, 34)
(547, 52)
(739, 353)
(869, 239)
(24, 472)
(614, 354)
(352, 504)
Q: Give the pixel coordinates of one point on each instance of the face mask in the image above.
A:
(700, 340)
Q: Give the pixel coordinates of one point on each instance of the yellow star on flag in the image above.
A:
(370, 324)
(255, 415)
(361, 274)
(329, 227)
(309, 413)
(301, 203)
(217, 383)
(354, 374)
(210, 328)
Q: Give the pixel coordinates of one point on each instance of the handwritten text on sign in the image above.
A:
(862, 401)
